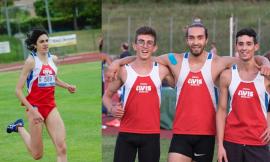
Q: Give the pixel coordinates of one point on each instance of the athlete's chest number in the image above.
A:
(46, 80)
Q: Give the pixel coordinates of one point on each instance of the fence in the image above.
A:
(171, 33)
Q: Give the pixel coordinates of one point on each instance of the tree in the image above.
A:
(92, 12)
(41, 11)
(71, 7)
(87, 10)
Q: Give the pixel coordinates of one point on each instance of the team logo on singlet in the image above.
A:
(195, 81)
(47, 71)
(143, 88)
(245, 93)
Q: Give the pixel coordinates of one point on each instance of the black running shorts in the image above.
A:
(247, 153)
(198, 147)
(128, 144)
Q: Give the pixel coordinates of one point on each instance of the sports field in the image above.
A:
(80, 112)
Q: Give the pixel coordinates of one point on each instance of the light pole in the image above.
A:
(7, 19)
(48, 16)
(231, 35)
(259, 28)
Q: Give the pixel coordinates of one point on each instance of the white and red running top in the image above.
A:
(247, 116)
(196, 100)
(41, 82)
(141, 101)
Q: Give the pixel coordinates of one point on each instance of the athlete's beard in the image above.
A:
(197, 52)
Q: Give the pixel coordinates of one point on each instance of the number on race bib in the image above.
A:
(46, 81)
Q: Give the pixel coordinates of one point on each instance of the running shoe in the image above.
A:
(13, 127)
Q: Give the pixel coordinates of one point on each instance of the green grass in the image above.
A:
(115, 22)
(86, 42)
(80, 111)
(108, 143)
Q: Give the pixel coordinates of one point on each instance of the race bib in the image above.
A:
(46, 80)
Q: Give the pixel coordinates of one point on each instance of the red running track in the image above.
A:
(70, 59)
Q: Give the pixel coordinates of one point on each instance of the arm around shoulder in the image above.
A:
(123, 61)
(260, 60)
(167, 59)
(165, 74)
(263, 65)
(226, 61)
(114, 68)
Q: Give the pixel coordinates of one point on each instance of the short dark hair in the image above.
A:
(146, 30)
(249, 32)
(197, 23)
(32, 38)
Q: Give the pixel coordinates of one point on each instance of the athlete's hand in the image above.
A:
(222, 156)
(117, 110)
(35, 115)
(71, 88)
(266, 135)
(112, 71)
(264, 70)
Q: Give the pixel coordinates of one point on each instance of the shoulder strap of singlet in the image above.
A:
(186, 55)
(210, 56)
(235, 74)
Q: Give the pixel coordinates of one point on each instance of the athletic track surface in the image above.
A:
(70, 59)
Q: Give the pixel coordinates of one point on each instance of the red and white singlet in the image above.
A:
(247, 116)
(41, 85)
(196, 100)
(141, 101)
